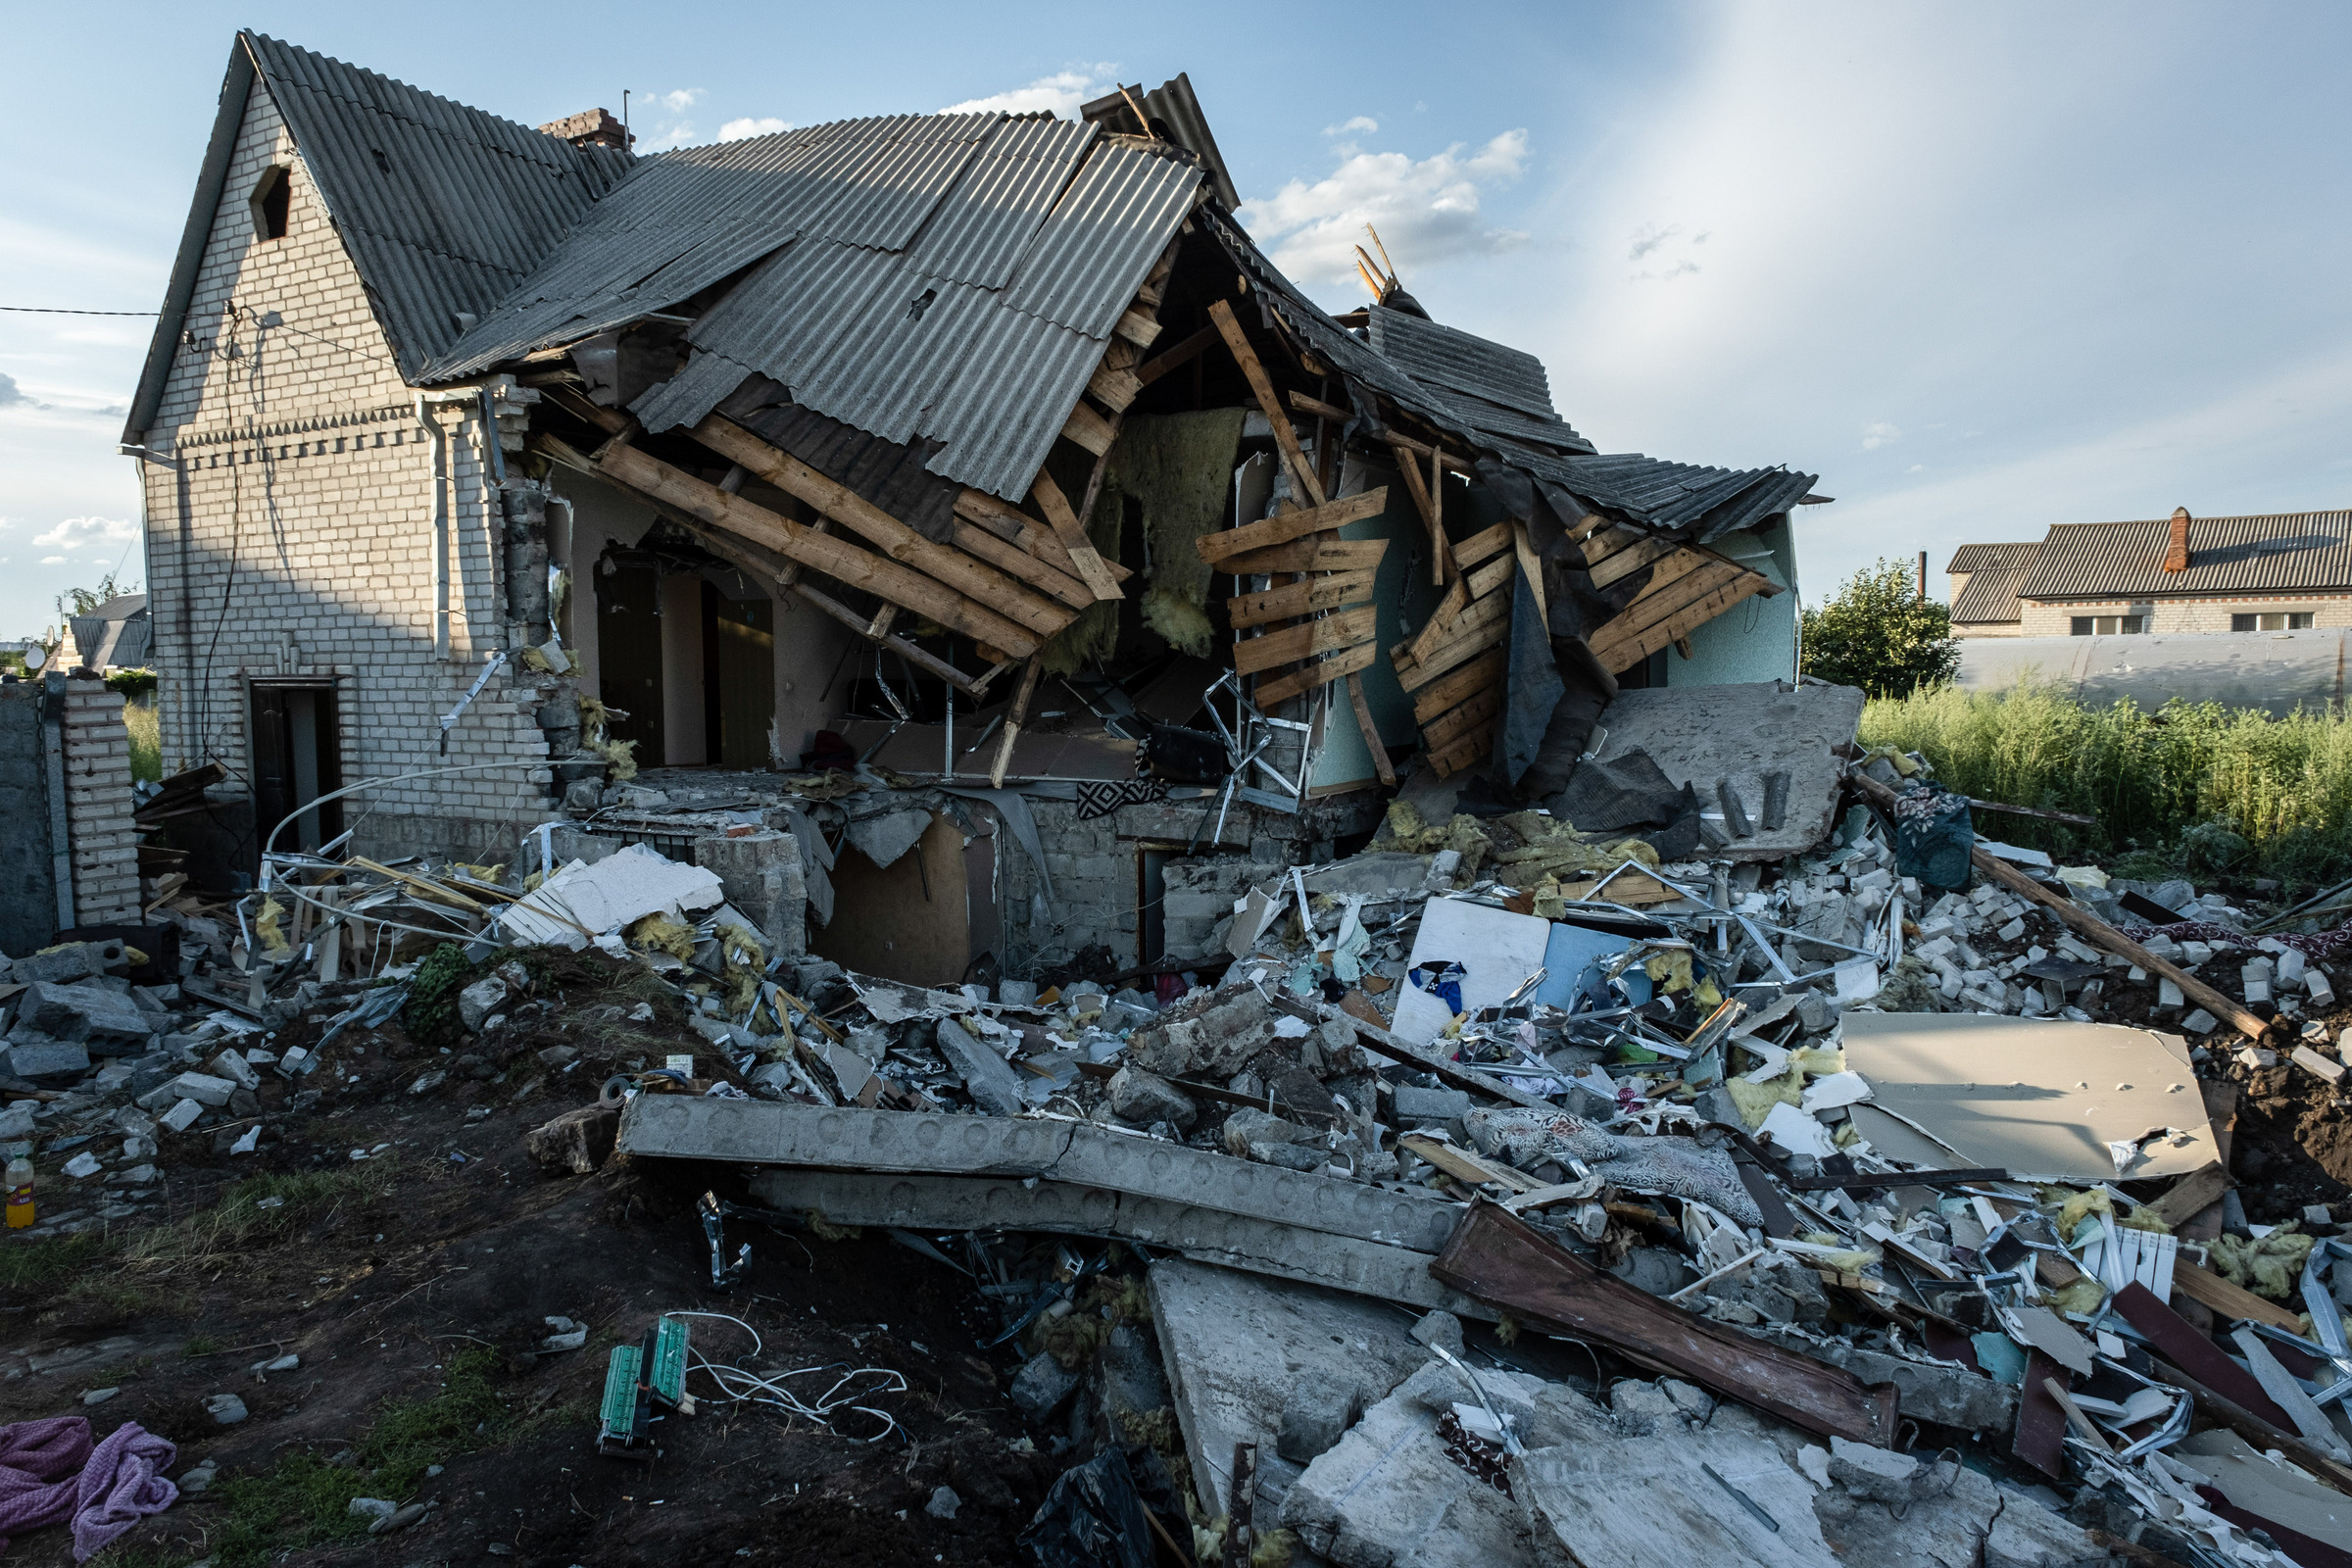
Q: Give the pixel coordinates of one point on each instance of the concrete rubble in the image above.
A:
(1237, 1206)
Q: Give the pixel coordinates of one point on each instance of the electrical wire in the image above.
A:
(741, 1386)
(53, 310)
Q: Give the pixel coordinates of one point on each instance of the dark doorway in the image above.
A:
(629, 655)
(739, 674)
(297, 757)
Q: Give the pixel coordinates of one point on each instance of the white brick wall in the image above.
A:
(297, 537)
(103, 838)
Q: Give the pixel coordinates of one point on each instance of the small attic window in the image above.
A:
(272, 202)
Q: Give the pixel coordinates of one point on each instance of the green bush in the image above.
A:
(1878, 632)
(132, 683)
(2190, 787)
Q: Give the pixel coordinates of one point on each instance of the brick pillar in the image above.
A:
(98, 806)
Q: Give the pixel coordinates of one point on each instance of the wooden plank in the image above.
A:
(2192, 1196)
(1491, 576)
(1286, 438)
(1441, 622)
(1625, 656)
(1659, 608)
(1623, 564)
(1138, 328)
(1171, 358)
(2041, 1434)
(1457, 687)
(1602, 543)
(1307, 555)
(1013, 717)
(1011, 525)
(1456, 721)
(1090, 429)
(2193, 1352)
(836, 558)
(1442, 566)
(1298, 598)
(1479, 546)
(1084, 557)
(1113, 387)
(762, 562)
(1462, 753)
(1305, 640)
(1635, 888)
(1014, 560)
(2229, 1301)
(981, 583)
(1500, 1259)
(1531, 569)
(1368, 727)
(1348, 661)
(1463, 1165)
(1215, 547)
(1478, 630)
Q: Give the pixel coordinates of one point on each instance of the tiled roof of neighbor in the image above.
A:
(1984, 557)
(1989, 595)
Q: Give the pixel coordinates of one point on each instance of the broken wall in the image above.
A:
(1756, 639)
(27, 869)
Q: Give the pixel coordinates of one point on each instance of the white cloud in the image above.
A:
(53, 560)
(1360, 126)
(1663, 251)
(1879, 433)
(678, 102)
(747, 127)
(1061, 93)
(87, 533)
(13, 396)
(1427, 210)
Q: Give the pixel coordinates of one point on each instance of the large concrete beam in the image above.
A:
(1204, 1234)
(921, 1143)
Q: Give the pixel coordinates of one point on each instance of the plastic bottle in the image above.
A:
(19, 1192)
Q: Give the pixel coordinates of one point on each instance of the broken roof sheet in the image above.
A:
(1709, 502)
(952, 277)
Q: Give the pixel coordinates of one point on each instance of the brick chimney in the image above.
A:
(591, 126)
(2175, 554)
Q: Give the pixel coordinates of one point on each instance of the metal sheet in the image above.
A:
(2275, 670)
(1449, 357)
(1988, 597)
(1985, 557)
(1093, 250)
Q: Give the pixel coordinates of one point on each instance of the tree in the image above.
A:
(1877, 632)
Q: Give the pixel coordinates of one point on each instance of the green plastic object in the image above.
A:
(632, 1387)
(669, 1360)
(620, 1410)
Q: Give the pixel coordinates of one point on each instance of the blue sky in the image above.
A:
(1983, 269)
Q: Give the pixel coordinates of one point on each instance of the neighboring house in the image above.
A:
(2282, 572)
(113, 635)
(452, 426)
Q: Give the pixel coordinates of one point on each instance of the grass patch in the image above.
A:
(28, 1264)
(200, 1346)
(2190, 787)
(304, 1501)
(145, 723)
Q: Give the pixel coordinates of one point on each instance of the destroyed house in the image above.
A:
(979, 459)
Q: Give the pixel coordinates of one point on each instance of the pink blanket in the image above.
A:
(49, 1473)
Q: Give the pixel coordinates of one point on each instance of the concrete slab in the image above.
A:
(1238, 1349)
(1649, 1502)
(758, 1133)
(1698, 735)
(986, 1204)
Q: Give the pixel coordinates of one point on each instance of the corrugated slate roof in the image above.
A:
(1985, 557)
(2283, 552)
(443, 207)
(1449, 357)
(944, 278)
(1989, 596)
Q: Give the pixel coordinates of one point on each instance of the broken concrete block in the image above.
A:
(2322, 994)
(2325, 1068)
(1143, 1097)
(181, 1117)
(1289, 1156)
(1947, 1396)
(1041, 1385)
(232, 1065)
(1315, 1417)
(68, 961)
(478, 1001)
(578, 1142)
(756, 1132)
(993, 1084)
(203, 1088)
(16, 1122)
(2199, 1022)
(1440, 1329)
(81, 1013)
(1246, 1127)
(45, 1058)
(765, 881)
(1574, 1501)
(1415, 1105)
(1879, 1474)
